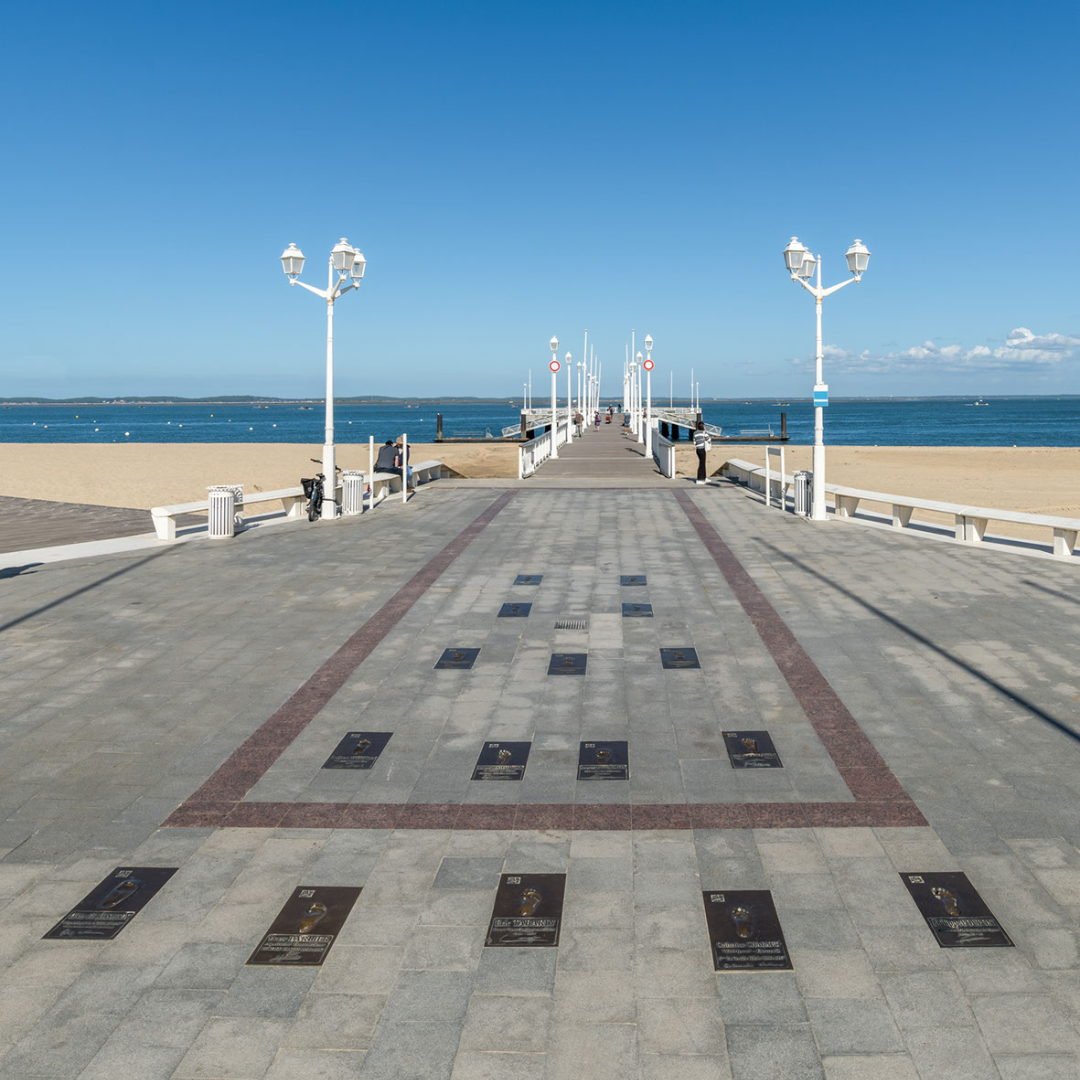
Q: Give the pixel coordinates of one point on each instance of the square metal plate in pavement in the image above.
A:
(572, 663)
(306, 926)
(637, 611)
(632, 579)
(457, 658)
(527, 911)
(744, 931)
(751, 750)
(515, 611)
(358, 750)
(103, 913)
(956, 914)
(528, 579)
(603, 761)
(502, 761)
(679, 658)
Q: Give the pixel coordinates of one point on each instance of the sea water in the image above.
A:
(1005, 421)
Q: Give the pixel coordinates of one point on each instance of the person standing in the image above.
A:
(702, 445)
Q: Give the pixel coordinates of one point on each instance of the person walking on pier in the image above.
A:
(702, 444)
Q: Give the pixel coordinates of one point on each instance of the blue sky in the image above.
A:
(516, 170)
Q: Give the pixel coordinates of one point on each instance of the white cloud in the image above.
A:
(1022, 350)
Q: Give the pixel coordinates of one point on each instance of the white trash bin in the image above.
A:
(804, 491)
(352, 492)
(221, 519)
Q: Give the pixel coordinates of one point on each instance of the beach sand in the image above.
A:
(1033, 479)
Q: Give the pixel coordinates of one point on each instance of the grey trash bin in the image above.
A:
(804, 489)
(221, 519)
(352, 491)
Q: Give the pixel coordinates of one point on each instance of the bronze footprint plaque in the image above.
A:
(457, 658)
(306, 927)
(956, 914)
(568, 663)
(103, 913)
(515, 611)
(637, 611)
(632, 579)
(502, 761)
(744, 931)
(527, 911)
(528, 579)
(751, 750)
(358, 750)
(679, 658)
(603, 761)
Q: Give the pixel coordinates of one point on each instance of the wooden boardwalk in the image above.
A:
(612, 453)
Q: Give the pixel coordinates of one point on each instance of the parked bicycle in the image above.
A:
(314, 492)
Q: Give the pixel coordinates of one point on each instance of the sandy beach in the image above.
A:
(1033, 479)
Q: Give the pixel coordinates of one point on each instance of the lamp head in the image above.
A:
(808, 265)
(358, 266)
(567, 359)
(794, 254)
(342, 256)
(857, 257)
(648, 343)
(292, 261)
(554, 343)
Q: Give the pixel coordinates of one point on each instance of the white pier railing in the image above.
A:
(533, 454)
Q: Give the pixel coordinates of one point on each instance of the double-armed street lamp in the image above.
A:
(348, 264)
(801, 264)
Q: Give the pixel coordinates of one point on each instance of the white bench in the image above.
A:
(969, 522)
(293, 500)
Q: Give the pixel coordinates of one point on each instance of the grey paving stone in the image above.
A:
(232, 1047)
(338, 1021)
(315, 1065)
(506, 1023)
(470, 873)
(853, 1026)
(1017, 1023)
(768, 1051)
(1038, 1066)
(760, 997)
(203, 967)
(412, 1049)
(602, 1051)
(267, 992)
(676, 1027)
(498, 1065)
(870, 1067)
(435, 996)
(516, 971)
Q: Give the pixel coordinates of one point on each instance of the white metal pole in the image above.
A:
(554, 418)
(648, 414)
(329, 506)
(640, 413)
(404, 467)
(530, 388)
(569, 394)
(371, 471)
(817, 502)
(671, 390)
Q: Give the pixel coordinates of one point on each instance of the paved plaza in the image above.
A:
(175, 709)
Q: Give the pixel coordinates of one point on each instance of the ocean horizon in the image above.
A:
(1051, 420)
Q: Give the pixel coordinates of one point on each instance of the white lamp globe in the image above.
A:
(857, 258)
(342, 256)
(292, 261)
(794, 254)
(554, 343)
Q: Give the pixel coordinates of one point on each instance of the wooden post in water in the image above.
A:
(783, 425)
(438, 427)
(524, 427)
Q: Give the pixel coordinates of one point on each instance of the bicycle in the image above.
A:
(314, 492)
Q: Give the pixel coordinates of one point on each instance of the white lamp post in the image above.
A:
(349, 265)
(554, 343)
(632, 368)
(648, 394)
(569, 403)
(800, 264)
(640, 415)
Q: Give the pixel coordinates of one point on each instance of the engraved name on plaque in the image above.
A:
(527, 911)
(744, 931)
(603, 761)
(751, 750)
(956, 914)
(358, 750)
(632, 579)
(515, 611)
(105, 911)
(502, 761)
(528, 579)
(306, 927)
(637, 611)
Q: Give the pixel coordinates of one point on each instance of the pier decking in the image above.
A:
(177, 711)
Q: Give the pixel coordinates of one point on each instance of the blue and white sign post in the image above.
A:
(801, 264)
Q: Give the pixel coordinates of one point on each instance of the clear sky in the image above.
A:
(513, 171)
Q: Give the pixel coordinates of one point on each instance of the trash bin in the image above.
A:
(804, 492)
(352, 491)
(221, 519)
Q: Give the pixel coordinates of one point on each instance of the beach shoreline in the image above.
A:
(1042, 480)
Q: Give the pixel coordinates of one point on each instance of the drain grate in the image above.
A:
(571, 624)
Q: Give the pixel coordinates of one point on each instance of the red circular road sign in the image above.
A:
(554, 365)
(648, 365)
